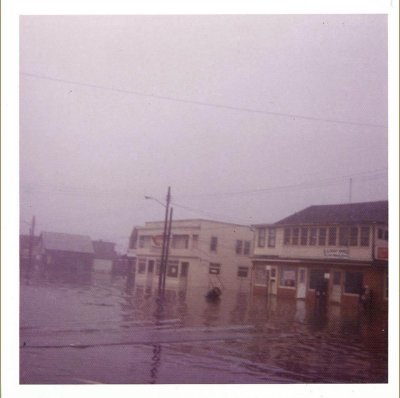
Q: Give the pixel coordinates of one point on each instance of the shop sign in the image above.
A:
(336, 253)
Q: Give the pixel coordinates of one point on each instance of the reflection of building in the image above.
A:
(104, 255)
(202, 253)
(62, 250)
(344, 246)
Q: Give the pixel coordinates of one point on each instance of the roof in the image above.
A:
(104, 250)
(67, 242)
(350, 213)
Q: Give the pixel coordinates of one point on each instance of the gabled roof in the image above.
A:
(67, 242)
(104, 250)
(350, 213)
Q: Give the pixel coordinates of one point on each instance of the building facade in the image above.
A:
(341, 247)
(104, 255)
(202, 254)
(61, 251)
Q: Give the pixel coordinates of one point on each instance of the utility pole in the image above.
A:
(164, 245)
(171, 211)
(31, 237)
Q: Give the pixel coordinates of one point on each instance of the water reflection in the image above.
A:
(135, 336)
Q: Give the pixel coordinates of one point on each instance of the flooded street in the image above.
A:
(104, 328)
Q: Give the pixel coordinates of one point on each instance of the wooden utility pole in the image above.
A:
(164, 246)
(167, 248)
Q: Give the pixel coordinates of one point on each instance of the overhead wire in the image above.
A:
(292, 116)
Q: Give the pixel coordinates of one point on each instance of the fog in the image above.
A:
(247, 118)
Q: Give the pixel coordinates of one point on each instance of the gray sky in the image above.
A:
(304, 110)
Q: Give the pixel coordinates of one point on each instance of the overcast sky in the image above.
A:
(247, 118)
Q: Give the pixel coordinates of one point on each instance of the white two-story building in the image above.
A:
(344, 246)
(202, 254)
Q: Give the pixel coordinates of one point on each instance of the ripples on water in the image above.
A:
(102, 328)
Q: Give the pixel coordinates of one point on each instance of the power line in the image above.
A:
(304, 185)
(207, 104)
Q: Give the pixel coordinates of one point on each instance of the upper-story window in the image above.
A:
(332, 236)
(239, 247)
(271, 237)
(144, 241)
(383, 234)
(353, 239)
(295, 236)
(261, 237)
(213, 244)
(287, 234)
(322, 236)
(195, 241)
(364, 236)
(343, 236)
(247, 246)
(180, 241)
(303, 236)
(313, 236)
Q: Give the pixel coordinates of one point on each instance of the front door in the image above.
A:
(301, 283)
(336, 289)
(273, 289)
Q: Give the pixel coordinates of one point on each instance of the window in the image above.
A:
(180, 241)
(239, 247)
(247, 246)
(353, 241)
(144, 241)
(343, 236)
(295, 237)
(353, 282)
(322, 237)
(158, 267)
(313, 236)
(287, 234)
(195, 241)
(261, 237)
(288, 277)
(332, 236)
(383, 234)
(214, 269)
(150, 266)
(260, 275)
(271, 237)
(184, 269)
(304, 236)
(364, 236)
(213, 243)
(172, 269)
(243, 272)
(142, 266)
(316, 278)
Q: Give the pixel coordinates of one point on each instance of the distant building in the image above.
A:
(28, 246)
(104, 255)
(202, 254)
(66, 250)
(342, 247)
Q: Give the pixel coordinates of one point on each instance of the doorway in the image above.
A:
(301, 283)
(336, 288)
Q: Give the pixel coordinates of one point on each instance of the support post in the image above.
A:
(167, 248)
(163, 265)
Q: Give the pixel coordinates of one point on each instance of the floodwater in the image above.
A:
(104, 328)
